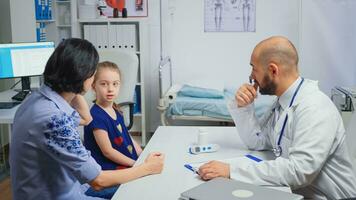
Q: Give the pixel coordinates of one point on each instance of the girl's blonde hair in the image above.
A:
(112, 66)
(106, 65)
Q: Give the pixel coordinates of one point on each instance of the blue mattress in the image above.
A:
(192, 106)
(213, 107)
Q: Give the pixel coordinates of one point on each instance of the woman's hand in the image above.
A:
(81, 106)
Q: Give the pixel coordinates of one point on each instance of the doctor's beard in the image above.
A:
(269, 87)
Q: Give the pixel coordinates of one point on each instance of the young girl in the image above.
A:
(107, 136)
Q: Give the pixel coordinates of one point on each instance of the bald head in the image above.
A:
(278, 50)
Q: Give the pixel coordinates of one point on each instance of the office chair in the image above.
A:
(127, 62)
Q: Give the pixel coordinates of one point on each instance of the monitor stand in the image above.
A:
(26, 89)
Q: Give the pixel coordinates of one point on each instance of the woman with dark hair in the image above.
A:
(47, 158)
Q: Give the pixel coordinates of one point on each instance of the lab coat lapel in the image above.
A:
(279, 123)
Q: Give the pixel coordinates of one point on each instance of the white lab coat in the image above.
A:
(314, 161)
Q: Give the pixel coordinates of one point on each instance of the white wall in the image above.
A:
(223, 56)
(322, 30)
(328, 42)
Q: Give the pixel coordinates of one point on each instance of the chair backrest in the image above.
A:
(127, 61)
(351, 137)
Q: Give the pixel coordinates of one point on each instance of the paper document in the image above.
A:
(243, 160)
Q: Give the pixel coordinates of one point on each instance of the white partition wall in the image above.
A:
(328, 42)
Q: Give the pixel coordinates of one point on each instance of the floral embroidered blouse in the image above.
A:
(47, 157)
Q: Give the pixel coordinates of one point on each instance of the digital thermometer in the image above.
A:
(207, 148)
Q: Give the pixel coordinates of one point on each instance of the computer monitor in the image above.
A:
(23, 60)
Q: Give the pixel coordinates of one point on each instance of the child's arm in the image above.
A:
(81, 106)
(103, 141)
(137, 147)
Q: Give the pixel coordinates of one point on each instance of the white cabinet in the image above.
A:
(125, 34)
(17, 21)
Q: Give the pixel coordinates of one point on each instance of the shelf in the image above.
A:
(66, 1)
(129, 19)
(45, 21)
(138, 115)
(64, 26)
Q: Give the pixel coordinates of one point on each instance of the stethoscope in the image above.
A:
(278, 149)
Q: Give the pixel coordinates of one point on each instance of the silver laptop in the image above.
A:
(227, 189)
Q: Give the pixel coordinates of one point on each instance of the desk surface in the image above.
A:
(7, 115)
(175, 178)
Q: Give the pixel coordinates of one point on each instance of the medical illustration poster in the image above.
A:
(230, 15)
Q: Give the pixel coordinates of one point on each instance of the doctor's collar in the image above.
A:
(286, 97)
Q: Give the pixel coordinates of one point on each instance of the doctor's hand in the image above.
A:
(246, 94)
(154, 163)
(214, 169)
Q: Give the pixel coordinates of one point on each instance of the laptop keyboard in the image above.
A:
(8, 105)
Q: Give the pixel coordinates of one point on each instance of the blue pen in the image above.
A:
(191, 168)
(253, 158)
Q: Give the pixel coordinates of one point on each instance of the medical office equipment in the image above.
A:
(203, 145)
(179, 107)
(344, 99)
(277, 150)
(24, 60)
(207, 148)
(191, 168)
(202, 136)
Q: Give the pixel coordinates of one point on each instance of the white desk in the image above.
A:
(175, 178)
(6, 118)
(7, 115)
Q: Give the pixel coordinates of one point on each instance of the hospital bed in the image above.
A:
(175, 105)
(191, 103)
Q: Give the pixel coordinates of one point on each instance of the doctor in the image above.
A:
(303, 129)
